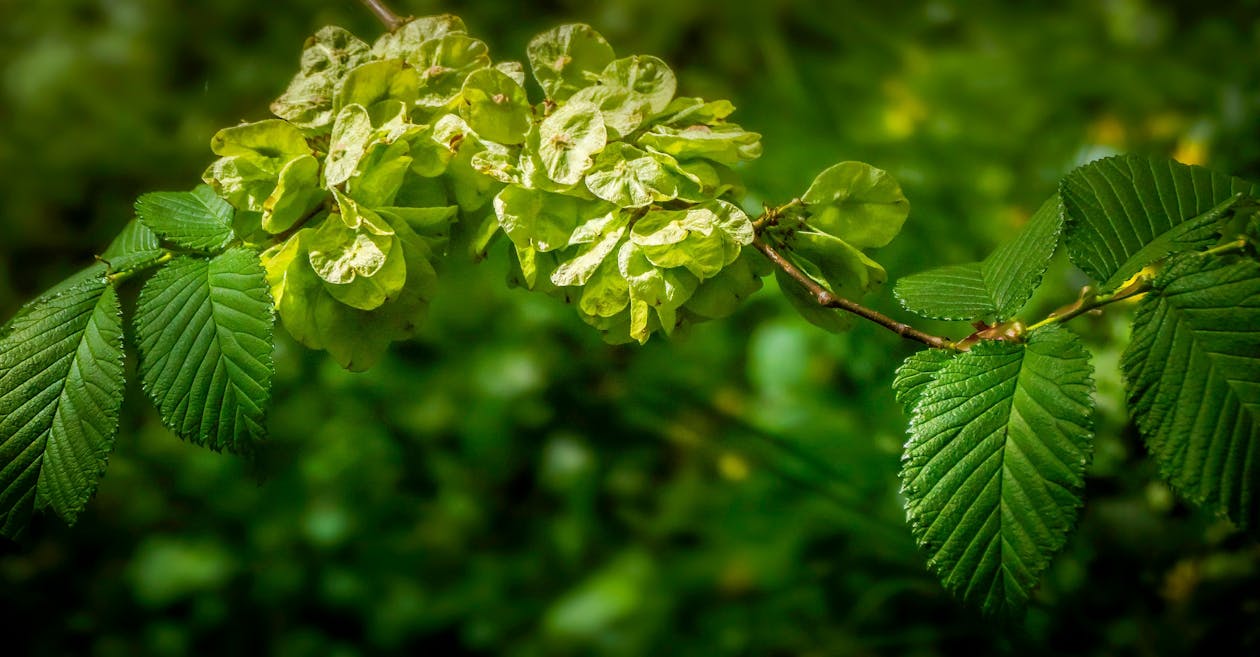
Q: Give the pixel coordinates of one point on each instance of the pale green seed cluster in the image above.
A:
(355, 187)
(617, 196)
(620, 196)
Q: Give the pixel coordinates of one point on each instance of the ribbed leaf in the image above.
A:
(61, 385)
(914, 375)
(1193, 372)
(197, 220)
(1126, 212)
(995, 464)
(998, 286)
(205, 334)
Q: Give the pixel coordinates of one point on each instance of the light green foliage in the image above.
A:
(197, 220)
(1126, 212)
(497, 107)
(857, 203)
(994, 288)
(568, 139)
(61, 386)
(995, 464)
(624, 191)
(848, 207)
(1193, 375)
(204, 330)
(326, 58)
(316, 317)
(564, 58)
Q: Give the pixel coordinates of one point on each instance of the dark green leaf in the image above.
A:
(1126, 212)
(995, 464)
(1193, 374)
(205, 334)
(914, 375)
(61, 385)
(998, 286)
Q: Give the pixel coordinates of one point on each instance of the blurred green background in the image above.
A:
(508, 485)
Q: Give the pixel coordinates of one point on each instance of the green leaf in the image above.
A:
(724, 143)
(356, 339)
(564, 58)
(630, 178)
(835, 265)
(351, 134)
(703, 238)
(568, 139)
(61, 386)
(379, 81)
(1126, 212)
(204, 329)
(601, 236)
(998, 286)
(358, 257)
(444, 64)
(543, 221)
(135, 246)
(326, 58)
(721, 295)
(629, 91)
(297, 193)
(198, 220)
(914, 375)
(271, 139)
(858, 203)
(405, 42)
(496, 106)
(1193, 374)
(995, 465)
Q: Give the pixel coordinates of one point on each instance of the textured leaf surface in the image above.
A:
(61, 385)
(998, 286)
(1125, 212)
(914, 375)
(994, 467)
(205, 334)
(194, 220)
(1193, 372)
(562, 58)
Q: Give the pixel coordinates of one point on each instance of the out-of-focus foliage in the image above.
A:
(508, 484)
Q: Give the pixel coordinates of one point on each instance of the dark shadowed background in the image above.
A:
(508, 485)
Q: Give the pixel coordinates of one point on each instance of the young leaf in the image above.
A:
(995, 464)
(857, 203)
(205, 333)
(198, 220)
(496, 106)
(914, 375)
(568, 139)
(563, 57)
(405, 43)
(61, 385)
(835, 265)
(1193, 373)
(326, 58)
(998, 286)
(1126, 212)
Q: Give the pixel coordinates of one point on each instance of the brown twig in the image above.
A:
(826, 299)
(391, 20)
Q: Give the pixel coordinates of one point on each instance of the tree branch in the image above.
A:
(391, 20)
(826, 299)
